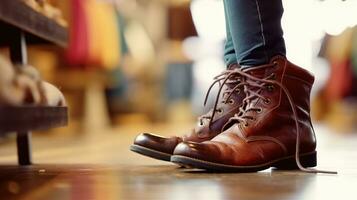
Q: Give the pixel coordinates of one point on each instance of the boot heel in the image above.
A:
(307, 160)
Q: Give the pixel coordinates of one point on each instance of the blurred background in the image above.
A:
(132, 66)
(145, 65)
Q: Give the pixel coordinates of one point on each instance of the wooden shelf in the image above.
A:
(21, 25)
(16, 15)
(24, 118)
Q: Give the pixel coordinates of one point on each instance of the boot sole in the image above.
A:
(306, 160)
(150, 152)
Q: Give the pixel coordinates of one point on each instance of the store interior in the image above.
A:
(79, 79)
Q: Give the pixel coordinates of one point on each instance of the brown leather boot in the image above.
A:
(228, 101)
(273, 130)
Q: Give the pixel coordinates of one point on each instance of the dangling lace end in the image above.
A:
(311, 170)
(315, 171)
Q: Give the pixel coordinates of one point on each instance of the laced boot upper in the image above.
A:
(274, 122)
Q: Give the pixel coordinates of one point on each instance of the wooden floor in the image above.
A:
(98, 165)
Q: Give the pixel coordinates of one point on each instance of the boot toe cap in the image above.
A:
(156, 142)
(201, 151)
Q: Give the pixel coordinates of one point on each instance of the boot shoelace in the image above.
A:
(261, 84)
(228, 77)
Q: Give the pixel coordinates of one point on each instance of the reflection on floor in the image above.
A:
(100, 166)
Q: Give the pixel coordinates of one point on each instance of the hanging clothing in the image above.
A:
(95, 35)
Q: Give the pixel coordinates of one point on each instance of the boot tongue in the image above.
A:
(259, 72)
(233, 66)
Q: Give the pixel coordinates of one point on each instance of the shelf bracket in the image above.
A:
(18, 55)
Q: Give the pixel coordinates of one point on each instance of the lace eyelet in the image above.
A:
(246, 124)
(201, 134)
(273, 76)
(270, 88)
(238, 91)
(220, 110)
(231, 101)
(267, 101)
(259, 110)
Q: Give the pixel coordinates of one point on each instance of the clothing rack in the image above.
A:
(21, 25)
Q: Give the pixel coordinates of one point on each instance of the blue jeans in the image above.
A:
(254, 33)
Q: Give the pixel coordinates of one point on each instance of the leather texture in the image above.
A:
(267, 130)
(206, 127)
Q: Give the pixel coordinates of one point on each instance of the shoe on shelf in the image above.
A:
(22, 85)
